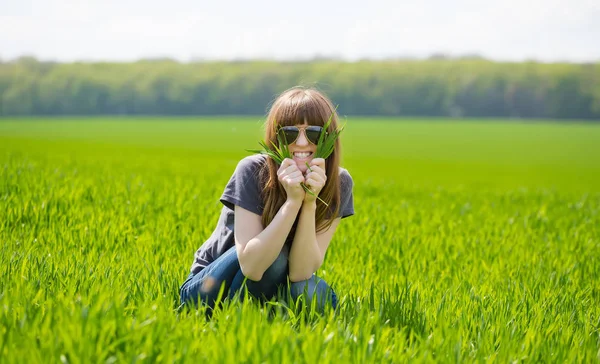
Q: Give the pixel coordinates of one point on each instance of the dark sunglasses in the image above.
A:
(291, 133)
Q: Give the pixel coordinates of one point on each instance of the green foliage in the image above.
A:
(327, 139)
(278, 152)
(471, 242)
(453, 88)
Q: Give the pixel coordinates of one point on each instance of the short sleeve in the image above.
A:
(346, 194)
(243, 187)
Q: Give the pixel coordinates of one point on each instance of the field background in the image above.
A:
(472, 241)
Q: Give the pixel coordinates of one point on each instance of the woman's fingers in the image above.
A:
(318, 162)
(293, 181)
(314, 184)
(290, 177)
(286, 170)
(293, 174)
(294, 177)
(290, 174)
(316, 169)
(298, 180)
(319, 171)
(317, 177)
(287, 162)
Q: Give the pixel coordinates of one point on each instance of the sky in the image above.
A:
(128, 30)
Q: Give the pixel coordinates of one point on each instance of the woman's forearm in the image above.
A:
(305, 256)
(261, 251)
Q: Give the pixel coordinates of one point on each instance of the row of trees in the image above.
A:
(455, 88)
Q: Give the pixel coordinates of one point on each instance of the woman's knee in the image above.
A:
(204, 289)
(271, 280)
(316, 289)
(207, 284)
(277, 272)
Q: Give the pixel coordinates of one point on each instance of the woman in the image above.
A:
(270, 230)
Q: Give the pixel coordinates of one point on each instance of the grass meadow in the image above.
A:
(473, 241)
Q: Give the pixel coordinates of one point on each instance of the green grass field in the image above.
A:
(472, 241)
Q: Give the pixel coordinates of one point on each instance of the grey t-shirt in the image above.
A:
(243, 190)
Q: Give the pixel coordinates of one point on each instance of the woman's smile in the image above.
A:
(302, 155)
(301, 159)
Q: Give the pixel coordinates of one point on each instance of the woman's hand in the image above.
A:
(290, 177)
(315, 178)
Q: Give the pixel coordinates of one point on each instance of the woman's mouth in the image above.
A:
(302, 155)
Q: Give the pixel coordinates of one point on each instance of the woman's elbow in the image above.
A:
(247, 266)
(250, 272)
(297, 275)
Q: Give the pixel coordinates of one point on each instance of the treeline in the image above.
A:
(455, 88)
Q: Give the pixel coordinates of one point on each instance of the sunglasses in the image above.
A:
(311, 132)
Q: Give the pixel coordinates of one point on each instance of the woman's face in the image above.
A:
(302, 150)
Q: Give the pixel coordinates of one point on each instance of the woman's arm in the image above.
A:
(305, 257)
(308, 249)
(257, 249)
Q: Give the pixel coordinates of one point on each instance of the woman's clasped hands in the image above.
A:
(291, 178)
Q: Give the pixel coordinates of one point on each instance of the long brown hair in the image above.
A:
(297, 106)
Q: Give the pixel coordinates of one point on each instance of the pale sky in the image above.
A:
(126, 30)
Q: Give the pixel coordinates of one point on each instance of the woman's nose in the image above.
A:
(302, 139)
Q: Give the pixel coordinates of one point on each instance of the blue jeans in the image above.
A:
(225, 271)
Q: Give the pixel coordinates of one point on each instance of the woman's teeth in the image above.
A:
(302, 155)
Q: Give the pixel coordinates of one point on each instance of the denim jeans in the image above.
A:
(225, 271)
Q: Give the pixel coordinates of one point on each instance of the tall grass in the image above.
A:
(471, 242)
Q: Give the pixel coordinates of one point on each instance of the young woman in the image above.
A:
(271, 234)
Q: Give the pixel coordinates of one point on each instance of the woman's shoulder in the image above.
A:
(254, 159)
(346, 193)
(344, 174)
(346, 181)
(251, 162)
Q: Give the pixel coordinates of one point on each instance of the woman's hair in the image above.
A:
(297, 106)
